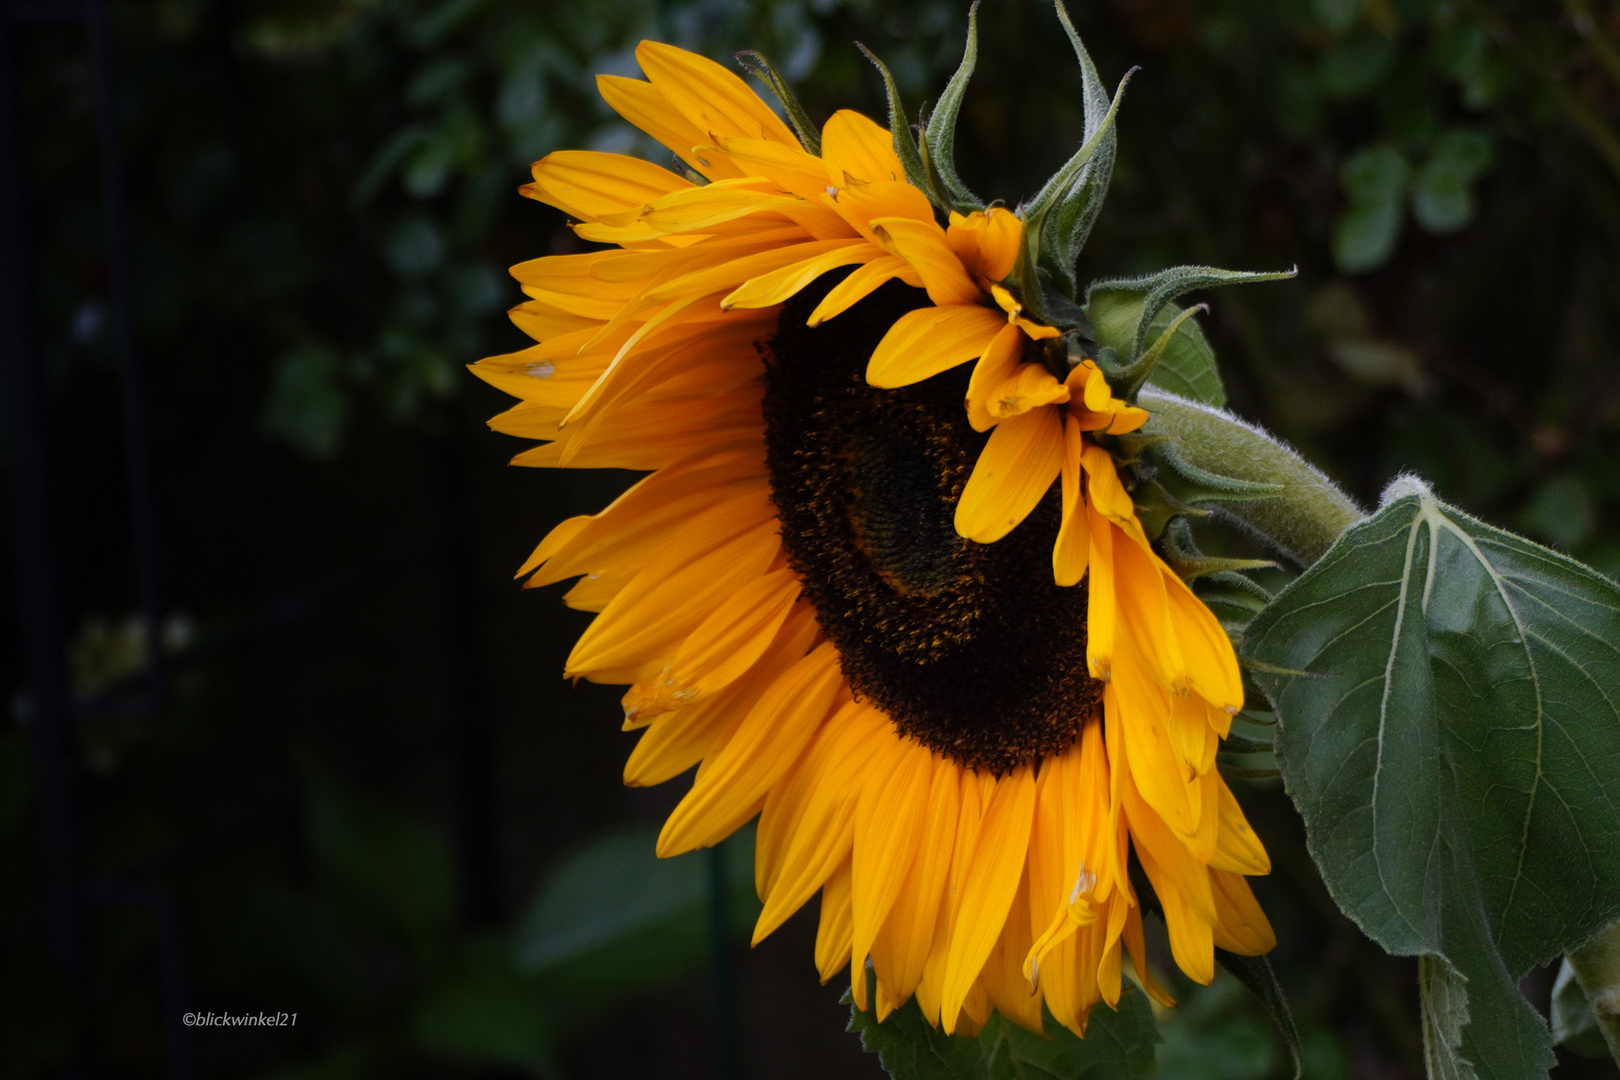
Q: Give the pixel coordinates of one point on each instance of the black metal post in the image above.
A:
(131, 397)
(46, 697)
(471, 741)
(725, 1064)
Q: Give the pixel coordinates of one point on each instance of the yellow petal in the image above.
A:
(1238, 849)
(778, 285)
(862, 205)
(889, 823)
(1102, 601)
(986, 242)
(901, 949)
(856, 150)
(861, 283)
(925, 342)
(991, 885)
(790, 167)
(645, 106)
(589, 185)
(1103, 488)
(922, 244)
(998, 363)
(1029, 387)
(815, 833)
(662, 608)
(723, 646)
(1211, 667)
(836, 925)
(710, 97)
(1071, 552)
(1015, 469)
(1242, 926)
(732, 784)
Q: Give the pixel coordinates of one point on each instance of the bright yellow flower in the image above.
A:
(954, 692)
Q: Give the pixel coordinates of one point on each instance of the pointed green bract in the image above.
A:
(762, 70)
(939, 133)
(905, 146)
(1157, 290)
(1140, 369)
(1069, 226)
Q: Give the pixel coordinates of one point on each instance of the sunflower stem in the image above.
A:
(1307, 512)
(1597, 969)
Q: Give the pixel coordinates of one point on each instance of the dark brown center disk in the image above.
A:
(970, 648)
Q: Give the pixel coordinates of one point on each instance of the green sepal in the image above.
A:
(1070, 226)
(1046, 289)
(1133, 375)
(905, 145)
(1244, 772)
(939, 133)
(761, 69)
(1202, 486)
(1235, 743)
(1156, 507)
(1159, 289)
(1183, 556)
(1256, 973)
(930, 167)
(1230, 591)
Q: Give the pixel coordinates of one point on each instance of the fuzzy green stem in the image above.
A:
(1597, 969)
(1303, 521)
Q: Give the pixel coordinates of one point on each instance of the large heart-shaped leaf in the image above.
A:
(1453, 744)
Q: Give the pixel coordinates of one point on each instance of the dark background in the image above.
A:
(248, 246)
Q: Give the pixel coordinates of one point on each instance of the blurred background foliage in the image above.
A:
(323, 203)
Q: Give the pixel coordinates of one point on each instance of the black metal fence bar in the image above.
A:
(45, 698)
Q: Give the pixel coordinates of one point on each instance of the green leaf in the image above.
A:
(484, 1014)
(1375, 179)
(1118, 1046)
(306, 405)
(615, 918)
(1442, 191)
(385, 867)
(1356, 66)
(1455, 753)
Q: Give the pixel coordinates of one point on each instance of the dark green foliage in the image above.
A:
(1117, 1045)
(1454, 748)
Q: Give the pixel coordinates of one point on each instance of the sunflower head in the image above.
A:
(887, 584)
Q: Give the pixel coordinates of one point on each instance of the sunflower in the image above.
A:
(884, 584)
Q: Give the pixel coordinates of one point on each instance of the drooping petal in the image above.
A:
(1000, 360)
(862, 282)
(925, 342)
(986, 241)
(922, 244)
(1015, 469)
(1071, 552)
